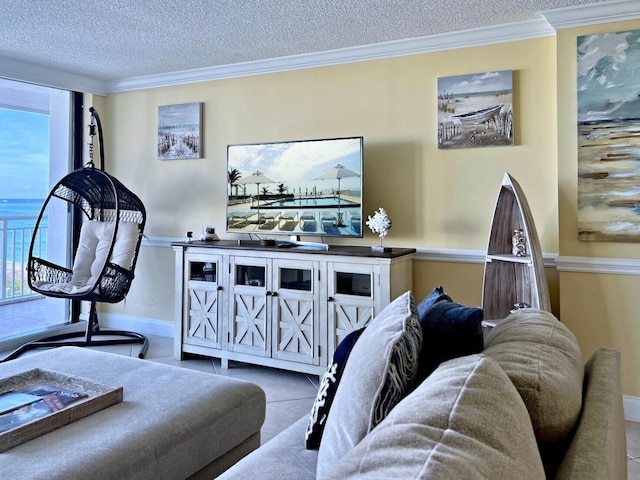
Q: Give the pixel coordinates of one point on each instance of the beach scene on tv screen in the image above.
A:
(311, 187)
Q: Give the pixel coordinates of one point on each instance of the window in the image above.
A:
(35, 152)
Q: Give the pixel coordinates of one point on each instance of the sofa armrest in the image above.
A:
(284, 456)
(599, 449)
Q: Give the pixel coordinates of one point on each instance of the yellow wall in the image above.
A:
(601, 309)
(461, 281)
(438, 199)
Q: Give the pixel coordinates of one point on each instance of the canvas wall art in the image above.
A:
(180, 131)
(475, 110)
(609, 136)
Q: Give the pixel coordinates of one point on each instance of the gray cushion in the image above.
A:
(282, 457)
(543, 360)
(599, 449)
(381, 368)
(466, 421)
(171, 423)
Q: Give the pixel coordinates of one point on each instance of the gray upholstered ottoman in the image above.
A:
(172, 424)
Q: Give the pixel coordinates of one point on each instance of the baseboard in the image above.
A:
(631, 408)
(14, 342)
(146, 326)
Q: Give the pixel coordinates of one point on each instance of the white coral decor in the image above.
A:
(380, 223)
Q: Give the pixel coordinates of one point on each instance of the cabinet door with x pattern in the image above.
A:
(294, 311)
(249, 329)
(202, 324)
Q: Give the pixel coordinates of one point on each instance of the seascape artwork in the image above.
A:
(179, 131)
(475, 110)
(609, 136)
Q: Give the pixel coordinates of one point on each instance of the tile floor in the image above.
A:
(633, 450)
(290, 395)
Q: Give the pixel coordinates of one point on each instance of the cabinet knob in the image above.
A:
(330, 299)
(219, 287)
(269, 293)
(274, 294)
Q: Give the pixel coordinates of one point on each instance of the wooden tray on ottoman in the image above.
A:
(98, 396)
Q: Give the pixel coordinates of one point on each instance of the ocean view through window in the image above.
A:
(34, 153)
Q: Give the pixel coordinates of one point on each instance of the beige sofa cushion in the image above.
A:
(543, 360)
(598, 449)
(380, 371)
(466, 420)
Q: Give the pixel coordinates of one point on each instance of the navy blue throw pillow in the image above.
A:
(437, 294)
(327, 391)
(449, 330)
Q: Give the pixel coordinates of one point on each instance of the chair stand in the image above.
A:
(92, 330)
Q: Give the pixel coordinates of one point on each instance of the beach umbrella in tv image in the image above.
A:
(258, 178)
(337, 173)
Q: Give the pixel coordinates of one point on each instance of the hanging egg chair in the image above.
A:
(106, 256)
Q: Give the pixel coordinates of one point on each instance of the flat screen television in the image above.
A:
(296, 188)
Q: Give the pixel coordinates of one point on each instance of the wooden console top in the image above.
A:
(285, 246)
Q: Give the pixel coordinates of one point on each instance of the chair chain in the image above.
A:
(92, 133)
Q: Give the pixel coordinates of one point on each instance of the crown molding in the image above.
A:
(546, 25)
(50, 77)
(615, 11)
(412, 46)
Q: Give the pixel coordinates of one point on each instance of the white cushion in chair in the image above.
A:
(93, 248)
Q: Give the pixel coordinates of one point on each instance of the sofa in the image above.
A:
(521, 405)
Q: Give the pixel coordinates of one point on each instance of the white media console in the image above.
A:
(280, 306)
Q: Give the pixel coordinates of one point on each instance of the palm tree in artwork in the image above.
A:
(234, 175)
(281, 189)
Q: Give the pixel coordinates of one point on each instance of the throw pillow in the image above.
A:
(91, 255)
(93, 248)
(449, 330)
(382, 367)
(465, 421)
(436, 295)
(327, 391)
(542, 358)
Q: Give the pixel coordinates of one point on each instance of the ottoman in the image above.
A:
(172, 424)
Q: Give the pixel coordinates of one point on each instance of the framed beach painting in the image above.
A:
(180, 131)
(475, 110)
(609, 136)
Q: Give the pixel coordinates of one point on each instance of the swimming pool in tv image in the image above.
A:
(310, 187)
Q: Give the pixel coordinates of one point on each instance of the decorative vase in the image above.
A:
(518, 243)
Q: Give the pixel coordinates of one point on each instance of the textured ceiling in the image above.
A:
(117, 39)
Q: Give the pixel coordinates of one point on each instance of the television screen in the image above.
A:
(306, 187)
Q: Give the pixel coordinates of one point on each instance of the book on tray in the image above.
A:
(19, 408)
